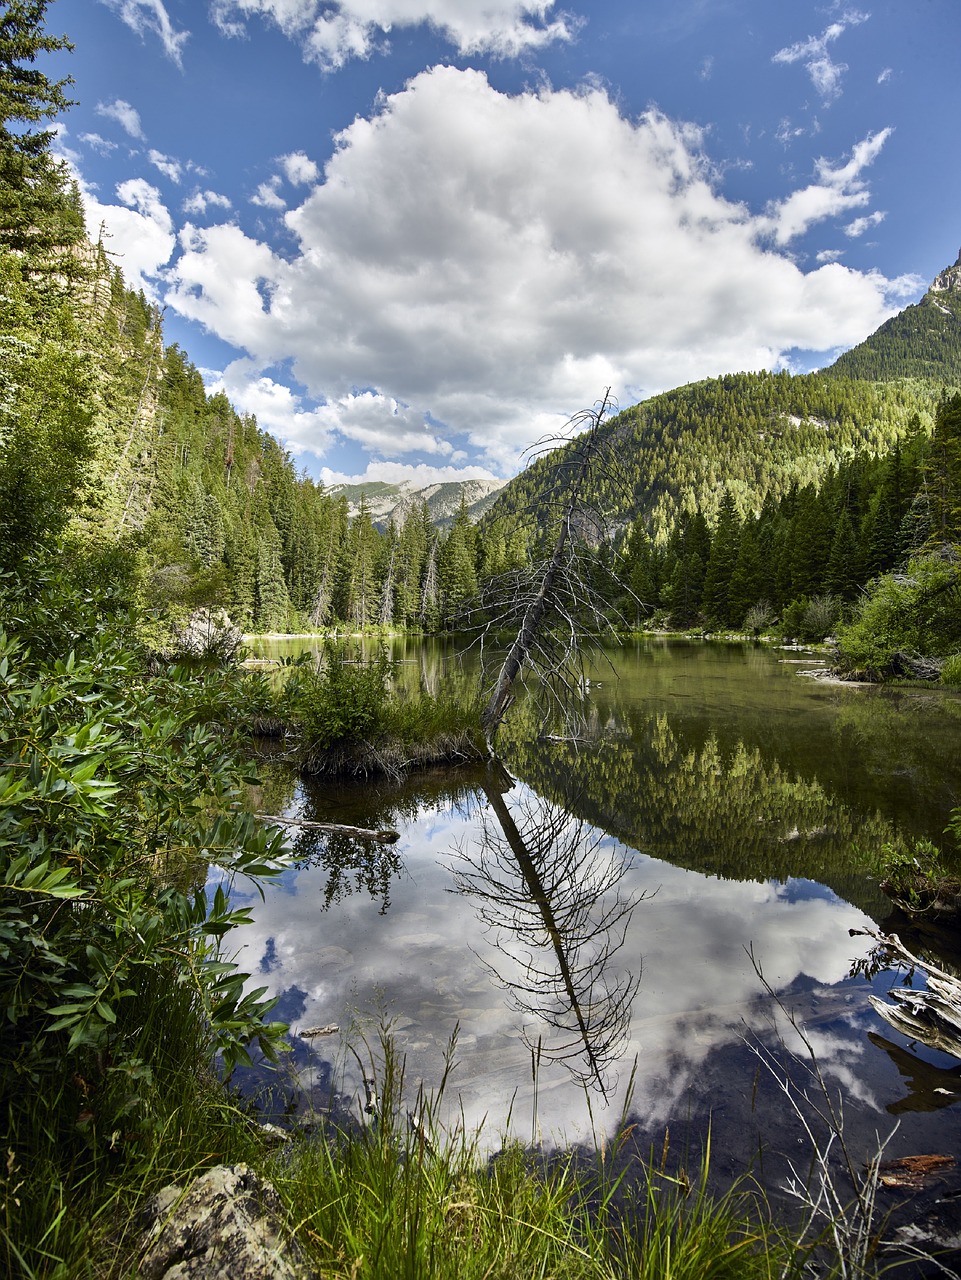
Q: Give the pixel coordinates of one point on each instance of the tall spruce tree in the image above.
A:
(39, 208)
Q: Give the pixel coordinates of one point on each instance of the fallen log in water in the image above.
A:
(338, 828)
(933, 1016)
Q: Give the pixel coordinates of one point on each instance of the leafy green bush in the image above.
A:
(793, 617)
(116, 792)
(343, 702)
(951, 671)
(820, 617)
(917, 611)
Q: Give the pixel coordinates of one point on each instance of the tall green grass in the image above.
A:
(82, 1152)
(394, 1201)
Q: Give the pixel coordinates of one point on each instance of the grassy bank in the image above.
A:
(386, 1200)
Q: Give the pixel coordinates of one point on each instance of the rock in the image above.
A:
(227, 1225)
(207, 634)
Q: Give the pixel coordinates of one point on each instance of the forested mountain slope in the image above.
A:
(757, 435)
(923, 341)
(747, 434)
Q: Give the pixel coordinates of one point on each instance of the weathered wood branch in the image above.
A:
(337, 828)
(932, 1016)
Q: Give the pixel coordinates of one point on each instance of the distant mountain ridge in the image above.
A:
(389, 503)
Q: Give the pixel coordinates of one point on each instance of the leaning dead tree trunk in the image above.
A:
(550, 574)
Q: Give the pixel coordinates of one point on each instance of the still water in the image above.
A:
(616, 905)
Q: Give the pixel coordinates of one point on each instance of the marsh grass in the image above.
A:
(399, 1198)
(350, 720)
(389, 1194)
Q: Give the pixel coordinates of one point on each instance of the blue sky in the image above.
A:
(413, 236)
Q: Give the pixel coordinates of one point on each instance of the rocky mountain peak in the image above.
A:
(949, 279)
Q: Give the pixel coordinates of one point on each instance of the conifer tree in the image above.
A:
(39, 209)
(458, 563)
(721, 563)
(942, 473)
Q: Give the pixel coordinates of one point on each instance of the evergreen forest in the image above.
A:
(734, 502)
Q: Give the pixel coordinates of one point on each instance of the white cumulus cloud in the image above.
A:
(418, 475)
(201, 201)
(96, 143)
(267, 195)
(331, 32)
(838, 189)
(496, 261)
(139, 230)
(814, 52)
(169, 167)
(299, 169)
(276, 407)
(860, 225)
(124, 114)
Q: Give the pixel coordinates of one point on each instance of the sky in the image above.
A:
(413, 237)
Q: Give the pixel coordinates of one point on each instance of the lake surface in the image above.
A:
(611, 911)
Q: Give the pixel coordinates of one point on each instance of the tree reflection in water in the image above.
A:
(546, 887)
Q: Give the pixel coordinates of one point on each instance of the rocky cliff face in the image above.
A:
(390, 503)
(948, 280)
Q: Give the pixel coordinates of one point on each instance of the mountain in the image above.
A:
(389, 503)
(756, 435)
(922, 341)
(748, 434)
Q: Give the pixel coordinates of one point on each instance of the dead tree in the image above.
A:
(553, 601)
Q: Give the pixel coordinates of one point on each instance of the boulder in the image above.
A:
(227, 1225)
(208, 634)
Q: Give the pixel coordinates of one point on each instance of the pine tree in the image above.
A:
(942, 473)
(458, 569)
(841, 577)
(721, 563)
(273, 603)
(39, 209)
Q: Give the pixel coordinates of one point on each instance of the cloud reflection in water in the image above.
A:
(420, 963)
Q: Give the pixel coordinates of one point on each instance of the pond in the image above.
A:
(606, 920)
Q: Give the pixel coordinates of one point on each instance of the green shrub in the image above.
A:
(792, 618)
(343, 702)
(917, 611)
(118, 789)
(951, 671)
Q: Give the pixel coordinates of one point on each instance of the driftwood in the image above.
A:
(915, 666)
(338, 828)
(932, 1016)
